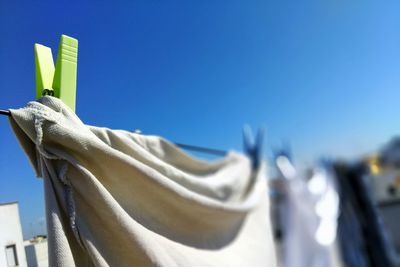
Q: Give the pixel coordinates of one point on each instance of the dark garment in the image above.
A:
(363, 237)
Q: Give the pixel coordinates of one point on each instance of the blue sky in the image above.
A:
(323, 75)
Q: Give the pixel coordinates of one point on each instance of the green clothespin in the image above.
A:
(61, 81)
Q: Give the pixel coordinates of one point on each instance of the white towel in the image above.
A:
(115, 198)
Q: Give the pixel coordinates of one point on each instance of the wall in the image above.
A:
(11, 233)
(36, 254)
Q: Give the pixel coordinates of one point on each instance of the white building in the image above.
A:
(36, 252)
(12, 251)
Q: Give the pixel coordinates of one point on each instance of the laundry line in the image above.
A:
(5, 112)
(213, 151)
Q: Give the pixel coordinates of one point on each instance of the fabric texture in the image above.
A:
(115, 198)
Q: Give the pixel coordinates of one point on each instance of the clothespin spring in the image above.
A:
(49, 92)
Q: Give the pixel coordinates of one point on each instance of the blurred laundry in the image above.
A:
(339, 212)
(370, 209)
(363, 236)
(309, 212)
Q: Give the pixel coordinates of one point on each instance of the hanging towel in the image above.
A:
(116, 198)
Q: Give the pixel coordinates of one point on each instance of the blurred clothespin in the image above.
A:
(252, 148)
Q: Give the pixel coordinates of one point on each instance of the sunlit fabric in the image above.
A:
(115, 198)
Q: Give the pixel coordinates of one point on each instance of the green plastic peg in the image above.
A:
(44, 69)
(61, 80)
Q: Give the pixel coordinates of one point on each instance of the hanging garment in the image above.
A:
(309, 214)
(364, 238)
(115, 198)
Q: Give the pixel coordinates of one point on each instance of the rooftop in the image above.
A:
(9, 203)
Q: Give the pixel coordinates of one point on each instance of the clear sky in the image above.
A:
(323, 75)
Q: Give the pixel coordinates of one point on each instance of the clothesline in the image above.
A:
(5, 112)
(213, 151)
